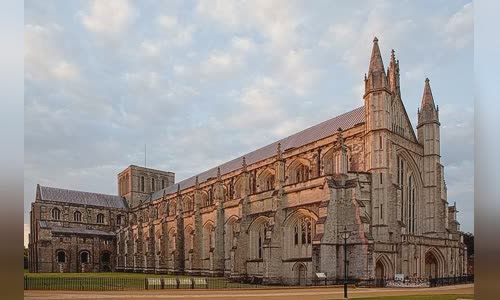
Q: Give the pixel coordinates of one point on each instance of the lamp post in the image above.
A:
(345, 235)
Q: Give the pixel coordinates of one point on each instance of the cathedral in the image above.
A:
(278, 213)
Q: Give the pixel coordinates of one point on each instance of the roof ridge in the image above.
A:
(80, 191)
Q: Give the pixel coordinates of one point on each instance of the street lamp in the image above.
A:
(345, 235)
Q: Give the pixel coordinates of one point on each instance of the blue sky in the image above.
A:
(201, 82)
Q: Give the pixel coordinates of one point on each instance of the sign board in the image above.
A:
(321, 275)
(399, 277)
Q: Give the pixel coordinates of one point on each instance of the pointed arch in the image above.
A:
(266, 179)
(299, 230)
(188, 240)
(257, 232)
(239, 187)
(229, 235)
(298, 170)
(387, 267)
(187, 203)
(410, 182)
(434, 263)
(300, 271)
(208, 238)
(172, 207)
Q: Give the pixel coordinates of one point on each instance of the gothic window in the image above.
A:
(208, 239)
(119, 220)
(238, 188)
(409, 202)
(266, 180)
(229, 234)
(56, 214)
(172, 208)
(77, 216)
(257, 232)
(84, 257)
(100, 218)
(162, 183)
(188, 204)
(188, 241)
(299, 172)
(142, 183)
(299, 232)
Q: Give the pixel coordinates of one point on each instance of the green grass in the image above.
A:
(420, 297)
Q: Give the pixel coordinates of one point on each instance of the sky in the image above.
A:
(202, 82)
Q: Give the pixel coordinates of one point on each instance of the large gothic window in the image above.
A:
(299, 231)
(239, 187)
(172, 208)
(56, 214)
(188, 241)
(188, 204)
(406, 178)
(229, 236)
(257, 232)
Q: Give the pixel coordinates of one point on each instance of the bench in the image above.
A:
(185, 283)
(200, 283)
(153, 283)
(170, 283)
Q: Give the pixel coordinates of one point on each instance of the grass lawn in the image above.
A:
(421, 297)
(112, 281)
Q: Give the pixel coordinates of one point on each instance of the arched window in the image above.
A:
(299, 231)
(61, 256)
(188, 241)
(100, 218)
(266, 180)
(172, 208)
(84, 257)
(409, 202)
(257, 234)
(239, 186)
(171, 240)
(298, 171)
(77, 216)
(188, 204)
(208, 239)
(56, 214)
(229, 235)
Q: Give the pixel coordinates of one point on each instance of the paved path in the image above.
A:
(316, 293)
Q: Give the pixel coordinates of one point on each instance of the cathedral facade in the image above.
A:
(278, 212)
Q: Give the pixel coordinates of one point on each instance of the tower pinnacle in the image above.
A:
(377, 78)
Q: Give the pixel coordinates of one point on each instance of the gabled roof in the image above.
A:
(304, 137)
(45, 193)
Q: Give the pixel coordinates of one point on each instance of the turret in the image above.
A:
(428, 122)
(393, 75)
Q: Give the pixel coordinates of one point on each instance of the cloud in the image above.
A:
(460, 27)
(109, 17)
(44, 58)
(177, 34)
(219, 63)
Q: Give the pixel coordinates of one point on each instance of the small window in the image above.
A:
(163, 183)
(152, 184)
(119, 220)
(380, 142)
(381, 211)
(84, 257)
(142, 183)
(56, 214)
(77, 216)
(100, 218)
(381, 176)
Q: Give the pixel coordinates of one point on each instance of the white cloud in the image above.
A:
(219, 63)
(460, 27)
(44, 59)
(167, 22)
(243, 44)
(108, 17)
(177, 34)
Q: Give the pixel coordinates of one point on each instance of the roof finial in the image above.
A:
(244, 164)
(375, 39)
(219, 178)
(278, 151)
(196, 183)
(178, 188)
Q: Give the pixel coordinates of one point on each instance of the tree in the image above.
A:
(469, 242)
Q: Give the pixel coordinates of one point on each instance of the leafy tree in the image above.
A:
(469, 242)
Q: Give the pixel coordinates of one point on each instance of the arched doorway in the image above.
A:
(106, 261)
(61, 259)
(431, 265)
(300, 274)
(84, 259)
(379, 273)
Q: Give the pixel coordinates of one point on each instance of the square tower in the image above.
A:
(136, 183)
